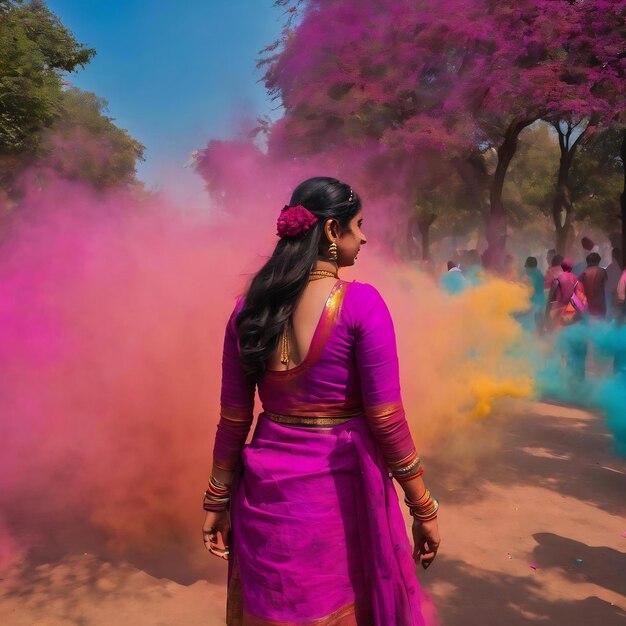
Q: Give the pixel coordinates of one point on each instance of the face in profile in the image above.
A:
(350, 240)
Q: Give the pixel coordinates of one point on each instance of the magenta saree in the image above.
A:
(318, 535)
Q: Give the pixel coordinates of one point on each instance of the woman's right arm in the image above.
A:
(236, 406)
(236, 415)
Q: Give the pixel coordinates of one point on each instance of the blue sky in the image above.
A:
(175, 74)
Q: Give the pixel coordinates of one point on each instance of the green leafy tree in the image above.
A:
(84, 144)
(45, 127)
(529, 189)
(35, 51)
(529, 186)
(596, 179)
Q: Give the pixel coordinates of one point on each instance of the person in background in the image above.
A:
(588, 246)
(613, 273)
(534, 280)
(553, 271)
(567, 305)
(593, 279)
(453, 280)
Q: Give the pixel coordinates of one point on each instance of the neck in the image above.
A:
(323, 264)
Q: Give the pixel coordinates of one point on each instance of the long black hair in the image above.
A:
(276, 288)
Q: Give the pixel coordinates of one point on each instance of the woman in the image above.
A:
(317, 533)
(567, 301)
(566, 306)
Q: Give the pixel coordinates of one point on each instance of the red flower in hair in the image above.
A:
(294, 220)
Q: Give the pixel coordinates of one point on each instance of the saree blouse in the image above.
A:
(351, 369)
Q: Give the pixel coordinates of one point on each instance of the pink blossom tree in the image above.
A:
(457, 76)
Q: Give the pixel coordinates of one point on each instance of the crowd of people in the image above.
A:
(565, 295)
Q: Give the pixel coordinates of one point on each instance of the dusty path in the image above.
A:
(553, 494)
(550, 494)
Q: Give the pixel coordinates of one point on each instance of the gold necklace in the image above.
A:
(318, 274)
(284, 349)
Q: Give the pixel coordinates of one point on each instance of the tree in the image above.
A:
(460, 76)
(35, 51)
(84, 144)
(44, 126)
(594, 70)
(529, 186)
(595, 180)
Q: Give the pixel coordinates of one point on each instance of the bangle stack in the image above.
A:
(425, 509)
(409, 471)
(217, 496)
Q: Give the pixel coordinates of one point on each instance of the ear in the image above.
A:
(331, 229)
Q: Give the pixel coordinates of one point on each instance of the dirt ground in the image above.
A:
(534, 534)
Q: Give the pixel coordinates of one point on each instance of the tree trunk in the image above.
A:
(563, 234)
(496, 220)
(424, 222)
(623, 196)
(562, 202)
(473, 172)
(562, 199)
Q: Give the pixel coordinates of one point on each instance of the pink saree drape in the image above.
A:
(318, 534)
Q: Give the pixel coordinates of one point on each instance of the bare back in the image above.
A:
(305, 320)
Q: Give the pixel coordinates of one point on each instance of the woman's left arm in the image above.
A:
(377, 362)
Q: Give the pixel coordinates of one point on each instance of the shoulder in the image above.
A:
(240, 302)
(363, 293)
(364, 304)
(232, 320)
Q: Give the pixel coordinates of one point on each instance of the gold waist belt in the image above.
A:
(310, 420)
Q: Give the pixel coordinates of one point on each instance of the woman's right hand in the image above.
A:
(216, 533)
(426, 541)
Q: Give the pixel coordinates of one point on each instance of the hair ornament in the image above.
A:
(294, 221)
(351, 196)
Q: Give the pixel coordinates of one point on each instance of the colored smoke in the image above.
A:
(112, 313)
(599, 349)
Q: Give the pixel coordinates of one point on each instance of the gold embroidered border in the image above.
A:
(234, 599)
(383, 411)
(237, 414)
(404, 461)
(329, 317)
(228, 468)
(300, 420)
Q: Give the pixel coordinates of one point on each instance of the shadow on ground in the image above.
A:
(481, 598)
(558, 448)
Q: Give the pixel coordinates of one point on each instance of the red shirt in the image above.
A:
(594, 280)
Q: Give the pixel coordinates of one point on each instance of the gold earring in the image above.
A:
(332, 251)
